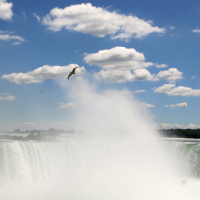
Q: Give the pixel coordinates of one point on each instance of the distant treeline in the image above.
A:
(31, 136)
(50, 132)
(39, 135)
(181, 133)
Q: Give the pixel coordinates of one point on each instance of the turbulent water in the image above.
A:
(83, 169)
(188, 157)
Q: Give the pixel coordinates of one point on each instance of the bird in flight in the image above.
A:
(72, 72)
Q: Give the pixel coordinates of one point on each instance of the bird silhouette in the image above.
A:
(72, 72)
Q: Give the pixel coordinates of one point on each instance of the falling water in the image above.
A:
(117, 156)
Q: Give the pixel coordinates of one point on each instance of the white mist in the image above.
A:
(117, 156)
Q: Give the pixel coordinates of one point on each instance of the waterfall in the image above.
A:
(82, 168)
(116, 157)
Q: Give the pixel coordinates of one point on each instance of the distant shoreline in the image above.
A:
(52, 133)
(180, 133)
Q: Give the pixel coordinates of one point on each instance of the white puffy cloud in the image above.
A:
(21, 78)
(8, 37)
(171, 90)
(114, 76)
(67, 106)
(5, 10)
(171, 75)
(193, 77)
(182, 105)
(7, 97)
(165, 88)
(138, 91)
(42, 73)
(196, 30)
(119, 58)
(145, 105)
(161, 65)
(117, 76)
(119, 61)
(142, 75)
(97, 21)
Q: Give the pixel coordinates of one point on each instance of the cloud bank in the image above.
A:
(98, 21)
(117, 76)
(182, 105)
(118, 62)
(170, 126)
(119, 58)
(171, 90)
(42, 73)
(171, 75)
(161, 65)
(8, 37)
(5, 10)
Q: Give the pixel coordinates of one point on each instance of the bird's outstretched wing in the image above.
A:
(73, 71)
(70, 75)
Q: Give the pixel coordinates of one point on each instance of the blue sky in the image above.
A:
(150, 48)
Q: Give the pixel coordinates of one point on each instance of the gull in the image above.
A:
(72, 72)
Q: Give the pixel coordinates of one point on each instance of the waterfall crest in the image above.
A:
(83, 168)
